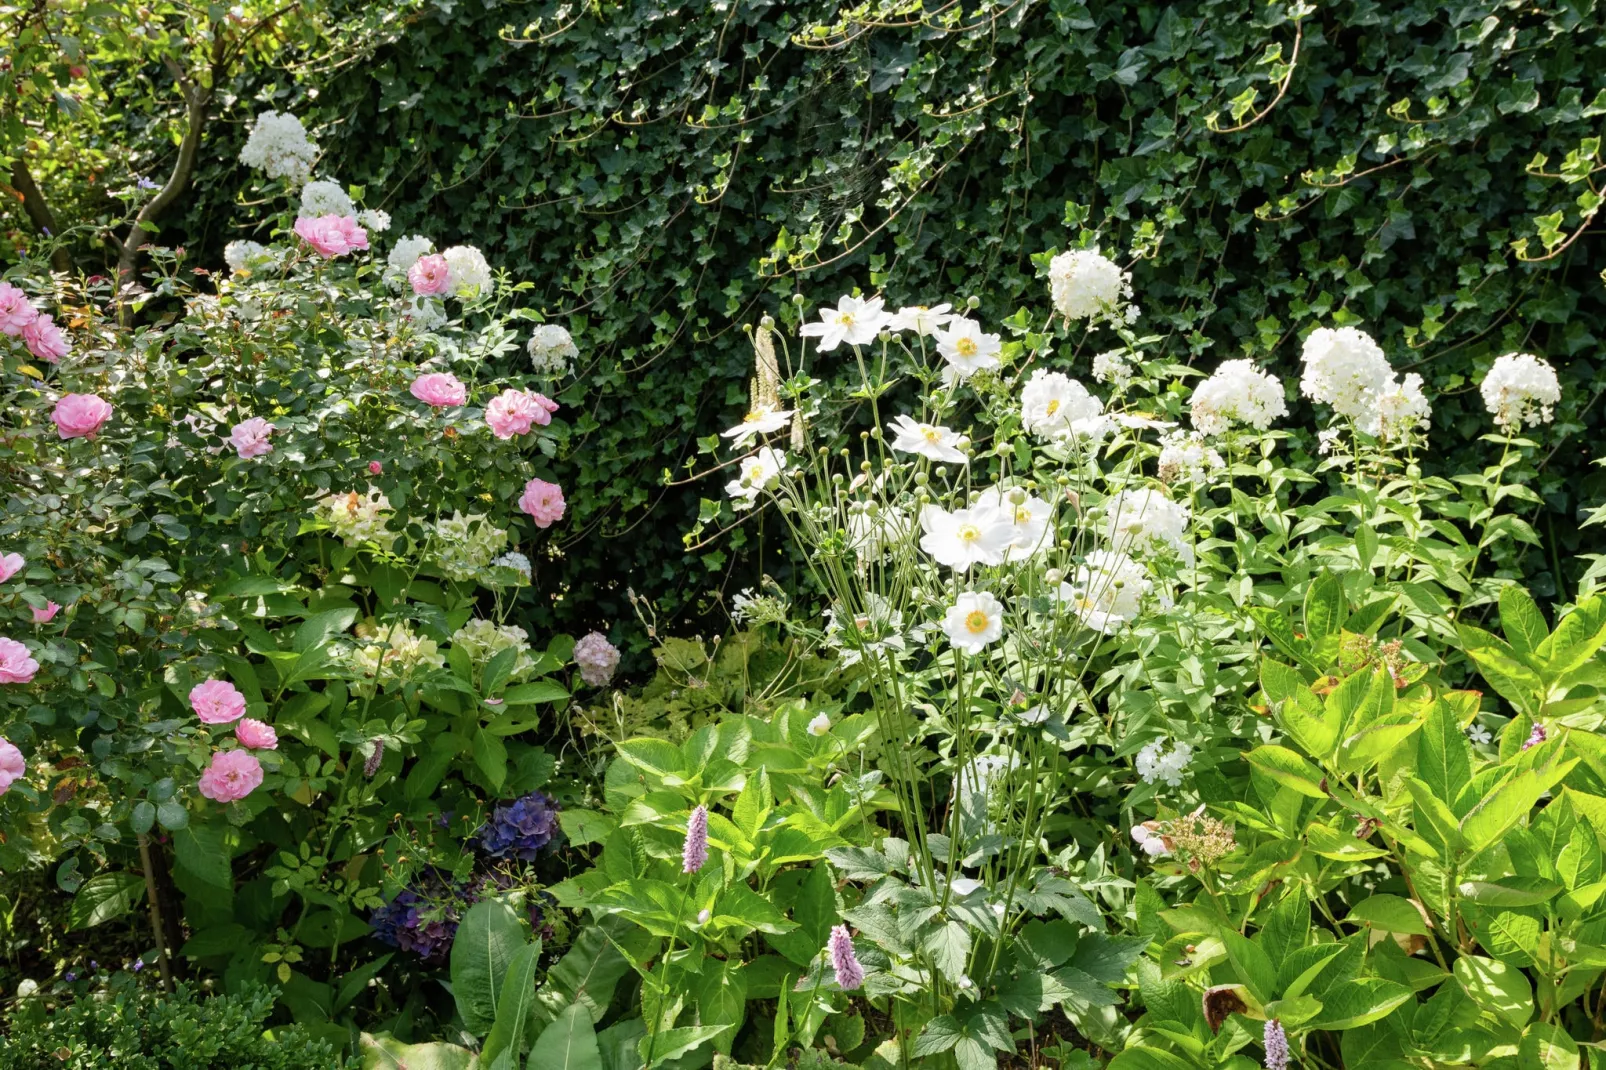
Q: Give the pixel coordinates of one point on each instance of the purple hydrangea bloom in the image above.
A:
(421, 919)
(1276, 1042)
(521, 828)
(597, 659)
(849, 974)
(695, 854)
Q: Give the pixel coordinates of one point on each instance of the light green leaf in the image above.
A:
(104, 897)
(1497, 987)
(569, 1043)
(1350, 1004)
(1289, 769)
(1390, 913)
(488, 938)
(387, 1053)
(505, 1042)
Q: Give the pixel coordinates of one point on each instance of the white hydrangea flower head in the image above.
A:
(1106, 591)
(1521, 389)
(967, 348)
(375, 221)
(322, 197)
(1086, 285)
(358, 518)
(551, 349)
(1055, 406)
(246, 257)
(1029, 518)
(979, 535)
(393, 654)
(1238, 393)
(1114, 367)
(482, 640)
(1346, 369)
(1155, 763)
(470, 275)
(596, 658)
(464, 545)
(1400, 409)
(1143, 521)
(425, 313)
(517, 562)
(278, 145)
(758, 471)
(1187, 457)
(404, 254)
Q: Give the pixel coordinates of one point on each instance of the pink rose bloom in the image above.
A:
(10, 565)
(543, 501)
(332, 235)
(80, 415)
(374, 468)
(430, 275)
(250, 437)
(547, 406)
(256, 735)
(16, 664)
(46, 615)
(232, 776)
(44, 339)
(12, 766)
(15, 310)
(217, 702)
(442, 390)
(514, 412)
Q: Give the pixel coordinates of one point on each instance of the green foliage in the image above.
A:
(144, 1030)
(665, 175)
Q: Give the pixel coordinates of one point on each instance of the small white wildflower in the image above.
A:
(1113, 367)
(758, 472)
(246, 257)
(1154, 763)
(820, 725)
(1186, 457)
(375, 220)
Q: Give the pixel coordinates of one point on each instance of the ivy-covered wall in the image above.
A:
(663, 174)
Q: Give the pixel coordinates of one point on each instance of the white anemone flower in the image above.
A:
(1107, 591)
(764, 420)
(931, 441)
(975, 619)
(1053, 405)
(975, 536)
(1520, 389)
(1028, 516)
(757, 472)
(854, 320)
(922, 320)
(820, 725)
(967, 348)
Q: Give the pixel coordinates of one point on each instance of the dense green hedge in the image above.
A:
(663, 174)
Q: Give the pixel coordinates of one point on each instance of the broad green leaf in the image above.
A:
(1576, 638)
(1305, 719)
(1502, 667)
(668, 1044)
(1144, 1058)
(1511, 937)
(387, 1053)
(1289, 769)
(586, 974)
(533, 692)
(505, 1042)
(355, 981)
(104, 897)
(1547, 1047)
(1510, 892)
(720, 996)
(569, 1043)
(1380, 738)
(1443, 756)
(1252, 965)
(1351, 1004)
(487, 941)
(1497, 987)
(203, 850)
(1325, 607)
(654, 755)
(1521, 620)
(1509, 803)
(1390, 913)
(490, 754)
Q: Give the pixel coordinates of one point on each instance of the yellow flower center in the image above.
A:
(969, 532)
(1022, 515)
(755, 474)
(933, 436)
(966, 347)
(1053, 406)
(754, 417)
(976, 622)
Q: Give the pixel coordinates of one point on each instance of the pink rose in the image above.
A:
(332, 235)
(80, 415)
(10, 565)
(17, 666)
(442, 390)
(217, 702)
(46, 615)
(15, 310)
(430, 275)
(232, 776)
(543, 501)
(250, 437)
(44, 339)
(12, 766)
(514, 412)
(256, 735)
(374, 468)
(547, 406)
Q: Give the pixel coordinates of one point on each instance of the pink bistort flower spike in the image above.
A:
(845, 963)
(695, 854)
